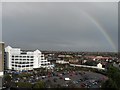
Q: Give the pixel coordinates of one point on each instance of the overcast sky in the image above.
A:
(61, 26)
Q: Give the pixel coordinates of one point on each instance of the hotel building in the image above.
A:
(17, 59)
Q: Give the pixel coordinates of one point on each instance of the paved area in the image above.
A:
(78, 78)
(88, 78)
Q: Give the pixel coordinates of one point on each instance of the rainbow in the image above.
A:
(102, 30)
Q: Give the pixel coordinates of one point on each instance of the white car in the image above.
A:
(67, 79)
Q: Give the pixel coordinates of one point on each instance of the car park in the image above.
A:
(76, 77)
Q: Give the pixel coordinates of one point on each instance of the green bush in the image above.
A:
(39, 84)
(113, 74)
(24, 85)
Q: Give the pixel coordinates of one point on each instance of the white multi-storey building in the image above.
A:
(18, 59)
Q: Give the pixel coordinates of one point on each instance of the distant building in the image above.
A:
(68, 56)
(18, 59)
(84, 61)
(98, 58)
(99, 65)
(62, 62)
(73, 61)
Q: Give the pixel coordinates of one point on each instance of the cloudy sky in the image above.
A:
(78, 26)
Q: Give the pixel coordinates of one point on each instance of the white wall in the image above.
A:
(17, 51)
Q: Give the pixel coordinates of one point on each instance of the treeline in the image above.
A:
(113, 82)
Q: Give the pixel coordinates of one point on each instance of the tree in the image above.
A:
(112, 71)
(39, 84)
(109, 84)
(24, 85)
(114, 78)
(7, 78)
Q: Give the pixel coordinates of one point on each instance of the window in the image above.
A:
(16, 62)
(24, 56)
(27, 65)
(23, 53)
(19, 66)
(31, 56)
(16, 56)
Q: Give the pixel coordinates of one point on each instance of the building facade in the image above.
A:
(17, 59)
(62, 62)
(1, 58)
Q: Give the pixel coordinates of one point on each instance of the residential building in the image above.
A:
(62, 62)
(73, 61)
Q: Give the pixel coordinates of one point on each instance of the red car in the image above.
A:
(61, 77)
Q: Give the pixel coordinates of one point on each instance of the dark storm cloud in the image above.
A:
(59, 26)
